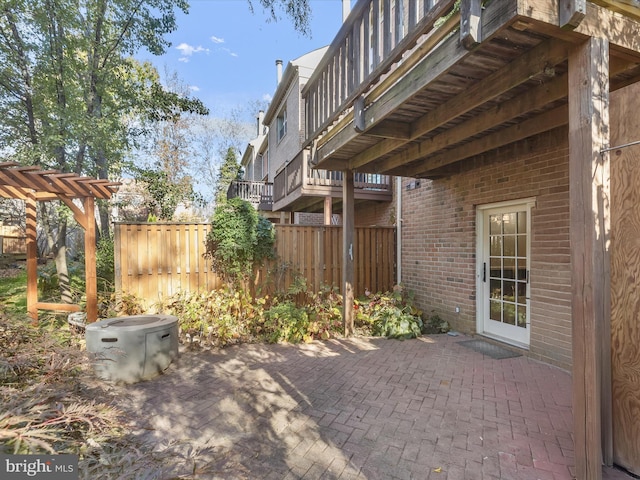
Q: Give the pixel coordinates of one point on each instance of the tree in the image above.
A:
(229, 171)
(71, 96)
(68, 87)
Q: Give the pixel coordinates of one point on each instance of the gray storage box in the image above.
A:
(133, 348)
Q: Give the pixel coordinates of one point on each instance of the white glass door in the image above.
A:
(503, 272)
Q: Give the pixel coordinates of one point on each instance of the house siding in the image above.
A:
(439, 238)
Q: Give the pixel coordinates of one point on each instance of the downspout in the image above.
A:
(399, 230)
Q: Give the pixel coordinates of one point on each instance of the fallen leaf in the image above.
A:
(438, 470)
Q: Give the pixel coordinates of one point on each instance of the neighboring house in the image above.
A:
(497, 116)
(255, 186)
(277, 162)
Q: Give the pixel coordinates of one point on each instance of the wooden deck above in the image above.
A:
(449, 85)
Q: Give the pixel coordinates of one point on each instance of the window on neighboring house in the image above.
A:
(282, 124)
(265, 165)
(257, 168)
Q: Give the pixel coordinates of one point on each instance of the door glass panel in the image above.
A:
(496, 246)
(522, 222)
(522, 316)
(509, 223)
(508, 266)
(496, 289)
(522, 245)
(496, 267)
(522, 269)
(495, 311)
(522, 293)
(495, 224)
(509, 313)
(509, 245)
(509, 290)
(509, 270)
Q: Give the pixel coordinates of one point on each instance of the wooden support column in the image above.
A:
(32, 257)
(348, 230)
(327, 210)
(90, 260)
(589, 235)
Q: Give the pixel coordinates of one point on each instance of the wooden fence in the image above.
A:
(156, 260)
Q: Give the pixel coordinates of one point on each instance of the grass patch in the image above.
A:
(13, 290)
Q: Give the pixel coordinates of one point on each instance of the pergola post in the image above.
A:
(32, 257)
(589, 235)
(90, 260)
(348, 229)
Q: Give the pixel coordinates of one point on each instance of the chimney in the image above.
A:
(260, 121)
(279, 70)
(346, 9)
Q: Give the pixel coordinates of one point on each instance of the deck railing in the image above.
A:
(259, 194)
(373, 38)
(298, 174)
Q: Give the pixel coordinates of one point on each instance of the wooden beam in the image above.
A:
(626, 7)
(32, 258)
(358, 114)
(571, 13)
(470, 23)
(532, 63)
(391, 129)
(348, 254)
(531, 100)
(601, 22)
(61, 307)
(542, 123)
(78, 214)
(589, 235)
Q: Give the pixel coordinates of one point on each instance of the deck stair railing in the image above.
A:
(373, 38)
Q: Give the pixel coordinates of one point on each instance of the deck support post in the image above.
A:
(348, 234)
(328, 213)
(590, 240)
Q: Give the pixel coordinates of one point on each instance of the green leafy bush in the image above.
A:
(390, 315)
(239, 240)
(286, 322)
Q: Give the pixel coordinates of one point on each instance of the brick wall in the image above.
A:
(381, 214)
(439, 238)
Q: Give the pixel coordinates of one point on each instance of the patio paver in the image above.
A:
(362, 408)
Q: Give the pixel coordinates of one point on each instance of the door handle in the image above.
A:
(484, 272)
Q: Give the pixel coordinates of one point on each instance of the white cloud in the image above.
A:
(194, 88)
(188, 50)
(183, 60)
(267, 97)
(215, 39)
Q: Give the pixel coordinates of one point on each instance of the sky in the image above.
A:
(226, 54)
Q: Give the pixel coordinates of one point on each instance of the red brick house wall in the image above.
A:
(439, 238)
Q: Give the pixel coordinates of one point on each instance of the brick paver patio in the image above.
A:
(363, 409)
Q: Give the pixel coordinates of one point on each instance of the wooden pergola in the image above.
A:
(32, 184)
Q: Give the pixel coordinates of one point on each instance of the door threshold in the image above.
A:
(504, 341)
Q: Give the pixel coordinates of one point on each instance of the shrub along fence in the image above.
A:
(156, 260)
